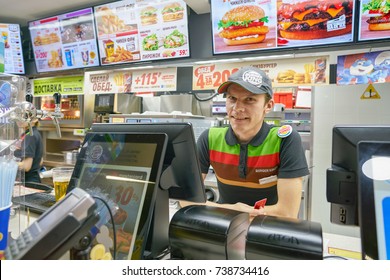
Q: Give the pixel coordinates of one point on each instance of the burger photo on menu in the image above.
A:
(173, 11)
(148, 15)
(244, 24)
(314, 20)
(378, 12)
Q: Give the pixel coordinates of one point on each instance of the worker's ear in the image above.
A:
(269, 106)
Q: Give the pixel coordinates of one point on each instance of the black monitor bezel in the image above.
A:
(367, 216)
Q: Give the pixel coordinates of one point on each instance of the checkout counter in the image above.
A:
(226, 234)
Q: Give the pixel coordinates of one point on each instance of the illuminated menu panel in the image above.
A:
(131, 31)
(374, 21)
(66, 41)
(253, 25)
(13, 54)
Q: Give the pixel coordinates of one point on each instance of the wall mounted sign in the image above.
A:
(363, 68)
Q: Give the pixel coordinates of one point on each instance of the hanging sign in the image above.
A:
(109, 82)
(154, 80)
(211, 76)
(306, 71)
(71, 85)
(363, 68)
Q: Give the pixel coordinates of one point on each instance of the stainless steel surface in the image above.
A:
(184, 103)
(128, 103)
(180, 103)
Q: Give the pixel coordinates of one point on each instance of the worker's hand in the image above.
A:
(249, 209)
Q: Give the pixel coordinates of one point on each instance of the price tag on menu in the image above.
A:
(211, 76)
(154, 80)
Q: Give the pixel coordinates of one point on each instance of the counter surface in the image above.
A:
(335, 246)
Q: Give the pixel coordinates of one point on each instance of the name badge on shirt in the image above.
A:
(267, 180)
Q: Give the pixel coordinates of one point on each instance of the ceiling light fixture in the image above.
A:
(218, 61)
(268, 57)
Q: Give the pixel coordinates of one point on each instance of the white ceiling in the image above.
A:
(23, 11)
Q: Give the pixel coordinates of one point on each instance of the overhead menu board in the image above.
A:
(374, 22)
(66, 41)
(253, 25)
(130, 31)
(13, 53)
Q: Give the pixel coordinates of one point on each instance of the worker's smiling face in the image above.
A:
(246, 111)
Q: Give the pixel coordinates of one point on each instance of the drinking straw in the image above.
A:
(8, 171)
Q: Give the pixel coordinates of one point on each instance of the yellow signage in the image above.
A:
(370, 93)
(71, 85)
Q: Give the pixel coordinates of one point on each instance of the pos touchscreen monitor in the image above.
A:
(123, 169)
(181, 176)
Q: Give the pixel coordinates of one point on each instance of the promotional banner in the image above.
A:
(363, 68)
(250, 25)
(154, 80)
(286, 72)
(374, 22)
(108, 82)
(71, 85)
(142, 30)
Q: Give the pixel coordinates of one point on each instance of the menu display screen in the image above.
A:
(130, 31)
(64, 42)
(273, 24)
(13, 53)
(374, 22)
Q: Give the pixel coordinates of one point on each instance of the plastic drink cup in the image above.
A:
(4, 222)
(61, 178)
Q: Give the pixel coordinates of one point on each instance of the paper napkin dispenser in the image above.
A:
(277, 238)
(199, 232)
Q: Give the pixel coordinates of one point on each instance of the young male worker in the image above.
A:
(253, 160)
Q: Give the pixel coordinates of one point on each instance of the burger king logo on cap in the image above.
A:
(253, 78)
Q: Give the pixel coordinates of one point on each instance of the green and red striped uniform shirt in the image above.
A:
(248, 172)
